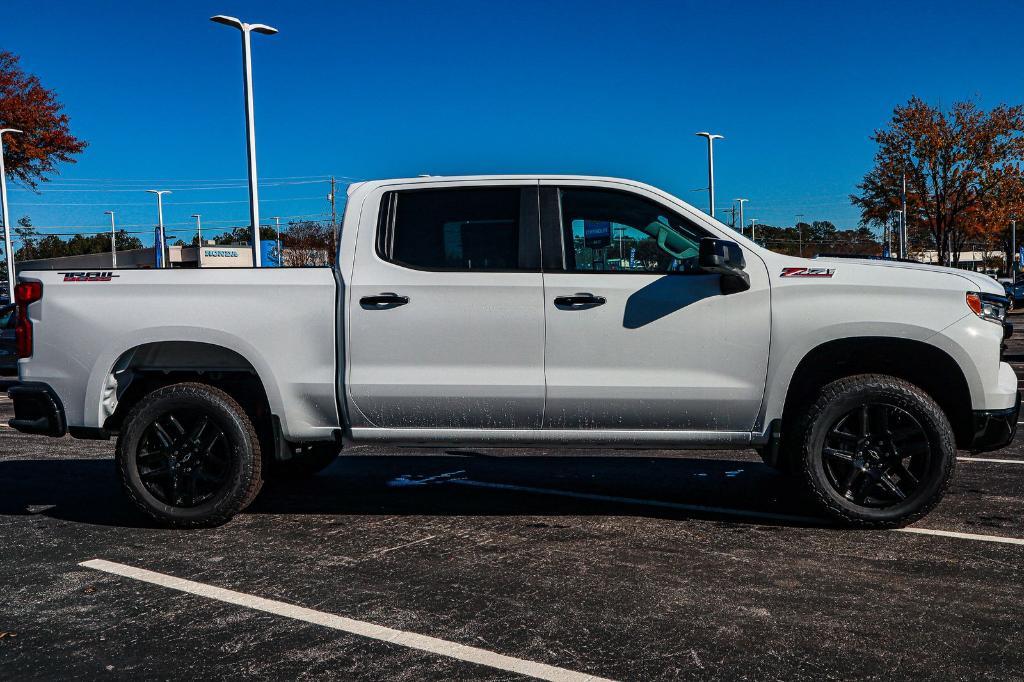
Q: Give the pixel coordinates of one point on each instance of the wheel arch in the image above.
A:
(920, 363)
(146, 366)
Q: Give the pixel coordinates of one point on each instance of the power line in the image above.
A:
(125, 189)
(146, 203)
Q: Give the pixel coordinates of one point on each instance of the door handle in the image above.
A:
(579, 301)
(383, 301)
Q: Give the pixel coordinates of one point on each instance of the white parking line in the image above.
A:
(718, 510)
(963, 536)
(990, 459)
(412, 640)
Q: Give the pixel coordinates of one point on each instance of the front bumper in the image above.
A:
(37, 410)
(994, 429)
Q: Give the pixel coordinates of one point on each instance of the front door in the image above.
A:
(446, 310)
(637, 337)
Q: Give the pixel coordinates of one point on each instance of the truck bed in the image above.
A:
(281, 321)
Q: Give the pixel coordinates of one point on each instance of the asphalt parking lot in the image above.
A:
(477, 565)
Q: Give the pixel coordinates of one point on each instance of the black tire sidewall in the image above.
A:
(243, 450)
(846, 395)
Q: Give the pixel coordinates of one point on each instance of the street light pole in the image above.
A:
(113, 240)
(250, 124)
(1013, 250)
(753, 230)
(903, 221)
(199, 227)
(6, 216)
(741, 202)
(899, 236)
(711, 167)
(160, 223)
(800, 233)
(277, 222)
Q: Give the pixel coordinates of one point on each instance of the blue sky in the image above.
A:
(369, 90)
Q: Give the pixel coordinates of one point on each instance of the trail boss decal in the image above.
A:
(807, 272)
(88, 276)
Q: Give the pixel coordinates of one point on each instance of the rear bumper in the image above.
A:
(994, 429)
(37, 410)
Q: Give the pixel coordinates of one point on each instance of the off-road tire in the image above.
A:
(243, 480)
(844, 395)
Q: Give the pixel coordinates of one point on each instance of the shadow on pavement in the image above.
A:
(87, 490)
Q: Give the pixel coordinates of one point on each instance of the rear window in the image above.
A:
(454, 229)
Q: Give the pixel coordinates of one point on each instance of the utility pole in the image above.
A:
(753, 230)
(250, 124)
(162, 246)
(199, 227)
(334, 219)
(800, 233)
(732, 216)
(334, 213)
(9, 253)
(711, 167)
(113, 240)
(740, 202)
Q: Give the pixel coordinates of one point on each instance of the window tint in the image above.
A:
(455, 229)
(620, 232)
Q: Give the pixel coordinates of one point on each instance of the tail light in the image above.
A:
(24, 294)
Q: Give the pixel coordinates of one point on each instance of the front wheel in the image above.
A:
(188, 456)
(876, 451)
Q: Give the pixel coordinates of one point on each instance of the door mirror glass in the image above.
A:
(723, 257)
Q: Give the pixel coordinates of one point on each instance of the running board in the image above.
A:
(638, 438)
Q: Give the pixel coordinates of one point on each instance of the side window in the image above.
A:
(7, 319)
(455, 229)
(619, 232)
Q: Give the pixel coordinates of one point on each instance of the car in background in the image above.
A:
(1014, 292)
(8, 354)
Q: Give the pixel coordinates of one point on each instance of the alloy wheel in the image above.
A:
(184, 458)
(876, 455)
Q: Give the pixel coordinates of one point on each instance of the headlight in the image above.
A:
(988, 306)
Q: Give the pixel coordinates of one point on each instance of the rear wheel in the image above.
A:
(188, 456)
(876, 451)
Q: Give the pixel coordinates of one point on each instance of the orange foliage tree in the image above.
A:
(962, 169)
(46, 138)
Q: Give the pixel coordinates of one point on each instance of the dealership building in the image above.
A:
(212, 256)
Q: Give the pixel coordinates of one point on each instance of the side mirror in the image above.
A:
(724, 258)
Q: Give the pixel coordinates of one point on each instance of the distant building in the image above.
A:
(982, 261)
(211, 256)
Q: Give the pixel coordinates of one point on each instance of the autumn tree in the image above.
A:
(308, 243)
(962, 169)
(46, 139)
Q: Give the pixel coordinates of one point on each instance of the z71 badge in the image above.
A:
(88, 276)
(807, 272)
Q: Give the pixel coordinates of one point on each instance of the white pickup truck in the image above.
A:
(549, 311)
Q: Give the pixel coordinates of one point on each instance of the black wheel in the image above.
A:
(189, 456)
(876, 451)
(309, 460)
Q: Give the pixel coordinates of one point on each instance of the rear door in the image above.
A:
(637, 337)
(447, 310)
